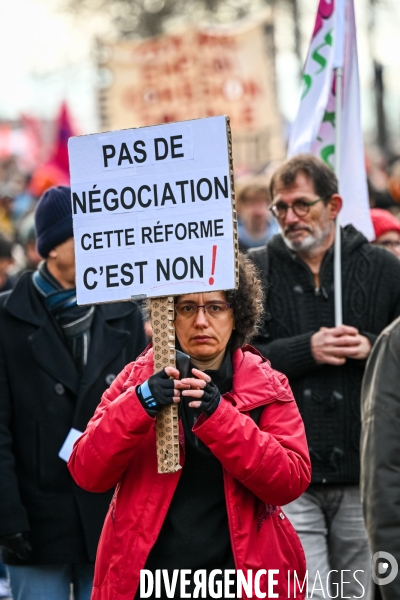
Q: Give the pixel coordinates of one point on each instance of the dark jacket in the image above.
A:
(380, 449)
(41, 398)
(328, 396)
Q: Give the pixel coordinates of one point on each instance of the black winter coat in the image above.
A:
(328, 396)
(380, 450)
(41, 398)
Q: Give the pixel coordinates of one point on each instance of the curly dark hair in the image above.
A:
(247, 302)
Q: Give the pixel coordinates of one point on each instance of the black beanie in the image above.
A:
(53, 219)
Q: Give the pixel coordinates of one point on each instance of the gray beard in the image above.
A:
(309, 244)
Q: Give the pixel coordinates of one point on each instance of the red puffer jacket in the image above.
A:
(264, 466)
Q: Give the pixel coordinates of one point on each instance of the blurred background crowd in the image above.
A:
(21, 188)
(96, 66)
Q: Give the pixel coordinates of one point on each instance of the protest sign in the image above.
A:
(152, 211)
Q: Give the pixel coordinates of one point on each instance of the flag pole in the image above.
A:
(337, 260)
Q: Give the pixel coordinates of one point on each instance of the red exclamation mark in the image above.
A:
(214, 258)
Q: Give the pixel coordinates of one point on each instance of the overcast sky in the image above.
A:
(46, 55)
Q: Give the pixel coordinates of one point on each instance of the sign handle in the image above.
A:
(167, 428)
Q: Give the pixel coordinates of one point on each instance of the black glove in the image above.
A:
(210, 399)
(18, 544)
(156, 392)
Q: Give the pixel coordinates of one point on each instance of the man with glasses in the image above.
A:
(325, 363)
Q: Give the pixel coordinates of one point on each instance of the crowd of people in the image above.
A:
(277, 407)
(18, 198)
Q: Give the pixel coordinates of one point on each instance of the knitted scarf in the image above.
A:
(75, 321)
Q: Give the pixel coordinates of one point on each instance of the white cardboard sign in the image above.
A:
(152, 211)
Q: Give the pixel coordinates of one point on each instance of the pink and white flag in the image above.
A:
(334, 44)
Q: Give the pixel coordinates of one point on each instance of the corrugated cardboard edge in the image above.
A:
(167, 427)
(233, 200)
(162, 320)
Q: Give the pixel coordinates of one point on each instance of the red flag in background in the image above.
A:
(55, 171)
(64, 131)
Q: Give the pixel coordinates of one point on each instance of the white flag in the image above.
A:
(334, 44)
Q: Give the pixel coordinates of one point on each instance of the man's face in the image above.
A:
(63, 263)
(254, 212)
(303, 234)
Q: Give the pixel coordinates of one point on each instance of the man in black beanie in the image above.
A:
(56, 360)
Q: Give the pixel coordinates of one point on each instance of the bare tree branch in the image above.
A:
(144, 18)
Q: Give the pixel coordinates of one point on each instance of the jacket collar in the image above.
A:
(107, 342)
(24, 303)
(49, 348)
(255, 383)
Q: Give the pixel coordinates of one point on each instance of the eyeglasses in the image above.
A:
(301, 208)
(389, 243)
(216, 310)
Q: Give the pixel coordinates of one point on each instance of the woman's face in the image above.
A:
(202, 335)
(391, 241)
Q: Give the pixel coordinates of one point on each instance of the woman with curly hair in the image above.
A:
(243, 454)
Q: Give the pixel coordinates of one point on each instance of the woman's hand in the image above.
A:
(202, 387)
(160, 390)
(178, 384)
